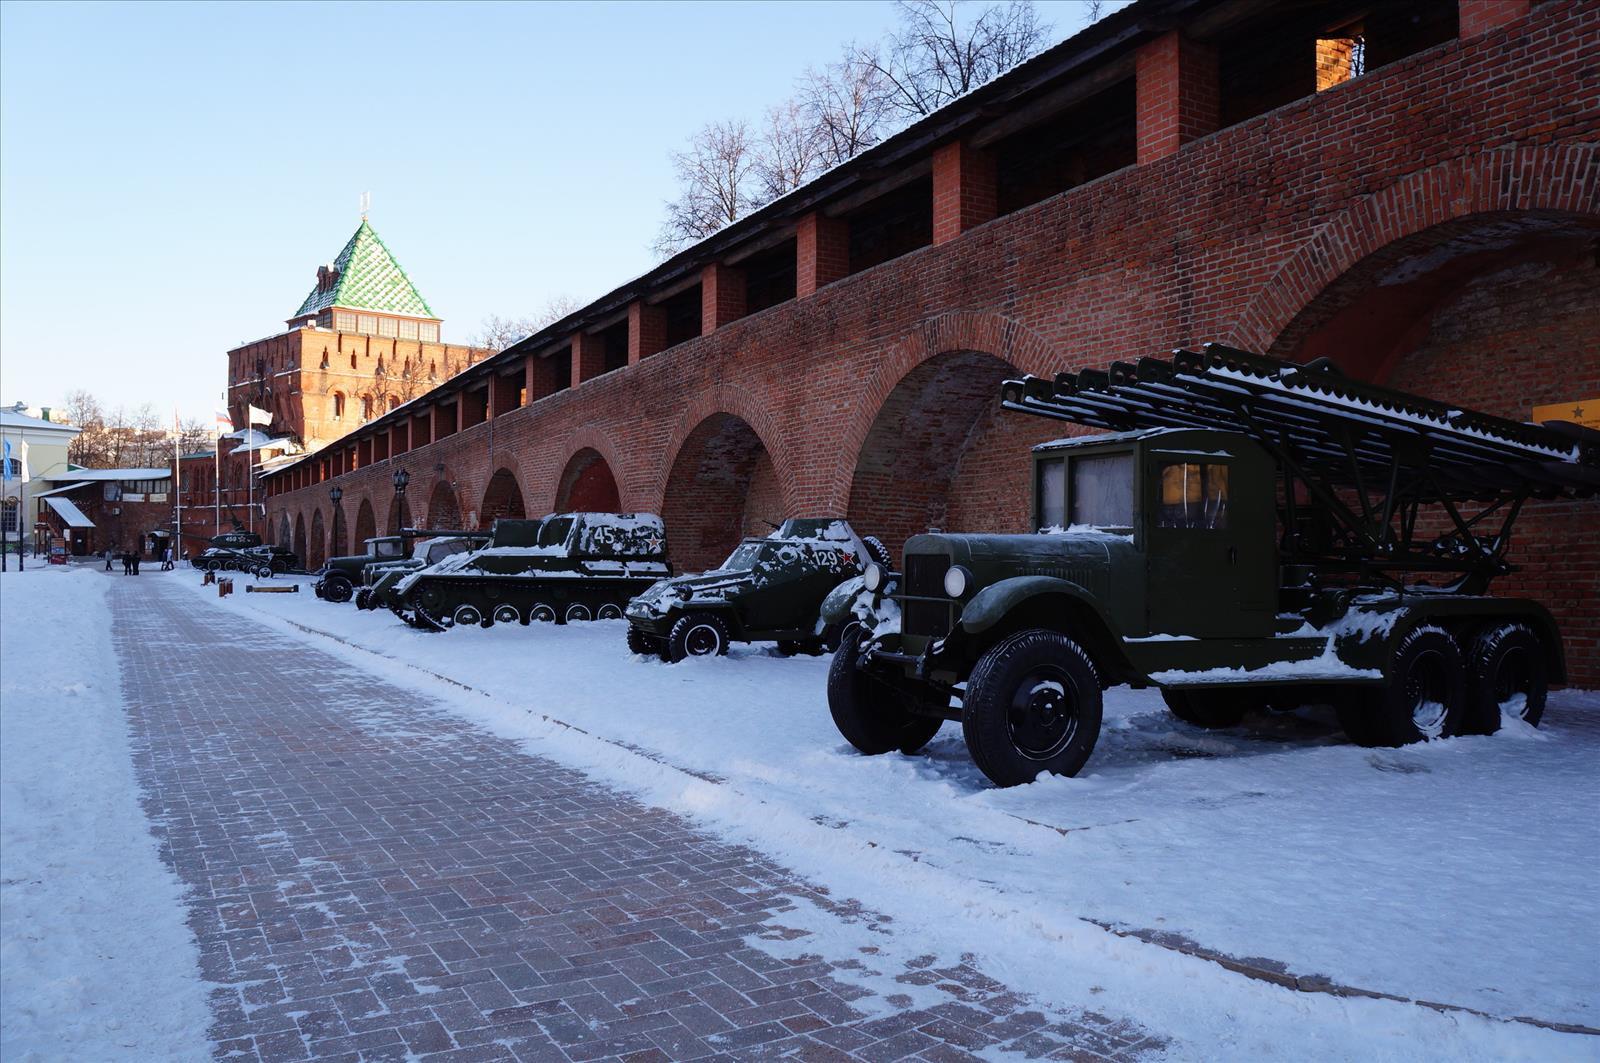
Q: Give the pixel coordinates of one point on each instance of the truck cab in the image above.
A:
(1161, 532)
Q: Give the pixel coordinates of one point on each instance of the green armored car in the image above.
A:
(769, 590)
(1255, 534)
(339, 577)
(379, 578)
(566, 567)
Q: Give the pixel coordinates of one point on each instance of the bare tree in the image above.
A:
(939, 53)
(497, 333)
(847, 104)
(714, 182)
(790, 151)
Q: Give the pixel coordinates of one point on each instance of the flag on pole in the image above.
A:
(224, 422)
(15, 452)
(259, 416)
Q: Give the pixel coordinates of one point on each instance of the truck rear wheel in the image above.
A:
(1032, 705)
(872, 715)
(1508, 674)
(337, 589)
(697, 635)
(1208, 708)
(1424, 697)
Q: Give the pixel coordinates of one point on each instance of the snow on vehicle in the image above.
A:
(769, 590)
(566, 567)
(379, 578)
(1255, 534)
(339, 577)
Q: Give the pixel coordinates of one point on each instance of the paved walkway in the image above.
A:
(373, 878)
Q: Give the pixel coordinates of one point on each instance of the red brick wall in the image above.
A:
(1230, 238)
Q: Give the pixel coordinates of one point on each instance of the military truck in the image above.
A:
(1255, 534)
(339, 577)
(380, 577)
(566, 567)
(769, 590)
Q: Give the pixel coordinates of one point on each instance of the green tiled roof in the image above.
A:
(369, 279)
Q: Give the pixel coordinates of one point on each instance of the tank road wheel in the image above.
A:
(1507, 673)
(645, 645)
(1032, 705)
(697, 635)
(263, 572)
(542, 613)
(577, 612)
(609, 611)
(337, 589)
(1423, 698)
(506, 614)
(1212, 708)
(873, 716)
(213, 565)
(466, 616)
(363, 598)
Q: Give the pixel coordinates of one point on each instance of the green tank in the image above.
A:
(566, 567)
(379, 579)
(769, 590)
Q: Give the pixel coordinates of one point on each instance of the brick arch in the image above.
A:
(399, 513)
(301, 545)
(590, 437)
(722, 486)
(1516, 178)
(502, 497)
(337, 546)
(316, 542)
(444, 503)
(285, 537)
(945, 334)
(366, 523)
(587, 482)
(734, 401)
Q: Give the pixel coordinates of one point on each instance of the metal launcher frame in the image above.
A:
(1360, 465)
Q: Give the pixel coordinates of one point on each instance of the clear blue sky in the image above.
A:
(172, 175)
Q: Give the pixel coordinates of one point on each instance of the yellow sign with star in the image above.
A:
(1585, 412)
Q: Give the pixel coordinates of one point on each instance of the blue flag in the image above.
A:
(5, 466)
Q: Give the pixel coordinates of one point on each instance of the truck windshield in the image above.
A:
(386, 548)
(744, 556)
(1102, 491)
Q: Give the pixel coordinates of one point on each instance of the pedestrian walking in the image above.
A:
(108, 559)
(135, 556)
(166, 559)
(127, 563)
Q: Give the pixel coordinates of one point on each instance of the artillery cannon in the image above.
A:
(1254, 534)
(566, 567)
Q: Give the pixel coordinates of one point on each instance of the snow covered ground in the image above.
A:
(95, 960)
(1460, 872)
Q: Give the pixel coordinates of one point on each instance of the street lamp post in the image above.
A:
(401, 478)
(335, 493)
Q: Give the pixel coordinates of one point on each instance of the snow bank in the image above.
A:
(95, 960)
(1459, 872)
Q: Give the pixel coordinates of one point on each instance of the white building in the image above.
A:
(37, 449)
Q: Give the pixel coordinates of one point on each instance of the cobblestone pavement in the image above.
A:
(373, 878)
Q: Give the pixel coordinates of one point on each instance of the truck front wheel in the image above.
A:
(697, 635)
(872, 715)
(1424, 696)
(1032, 705)
(337, 589)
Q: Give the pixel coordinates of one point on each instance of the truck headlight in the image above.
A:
(872, 577)
(957, 581)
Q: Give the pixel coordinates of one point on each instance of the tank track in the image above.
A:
(567, 599)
